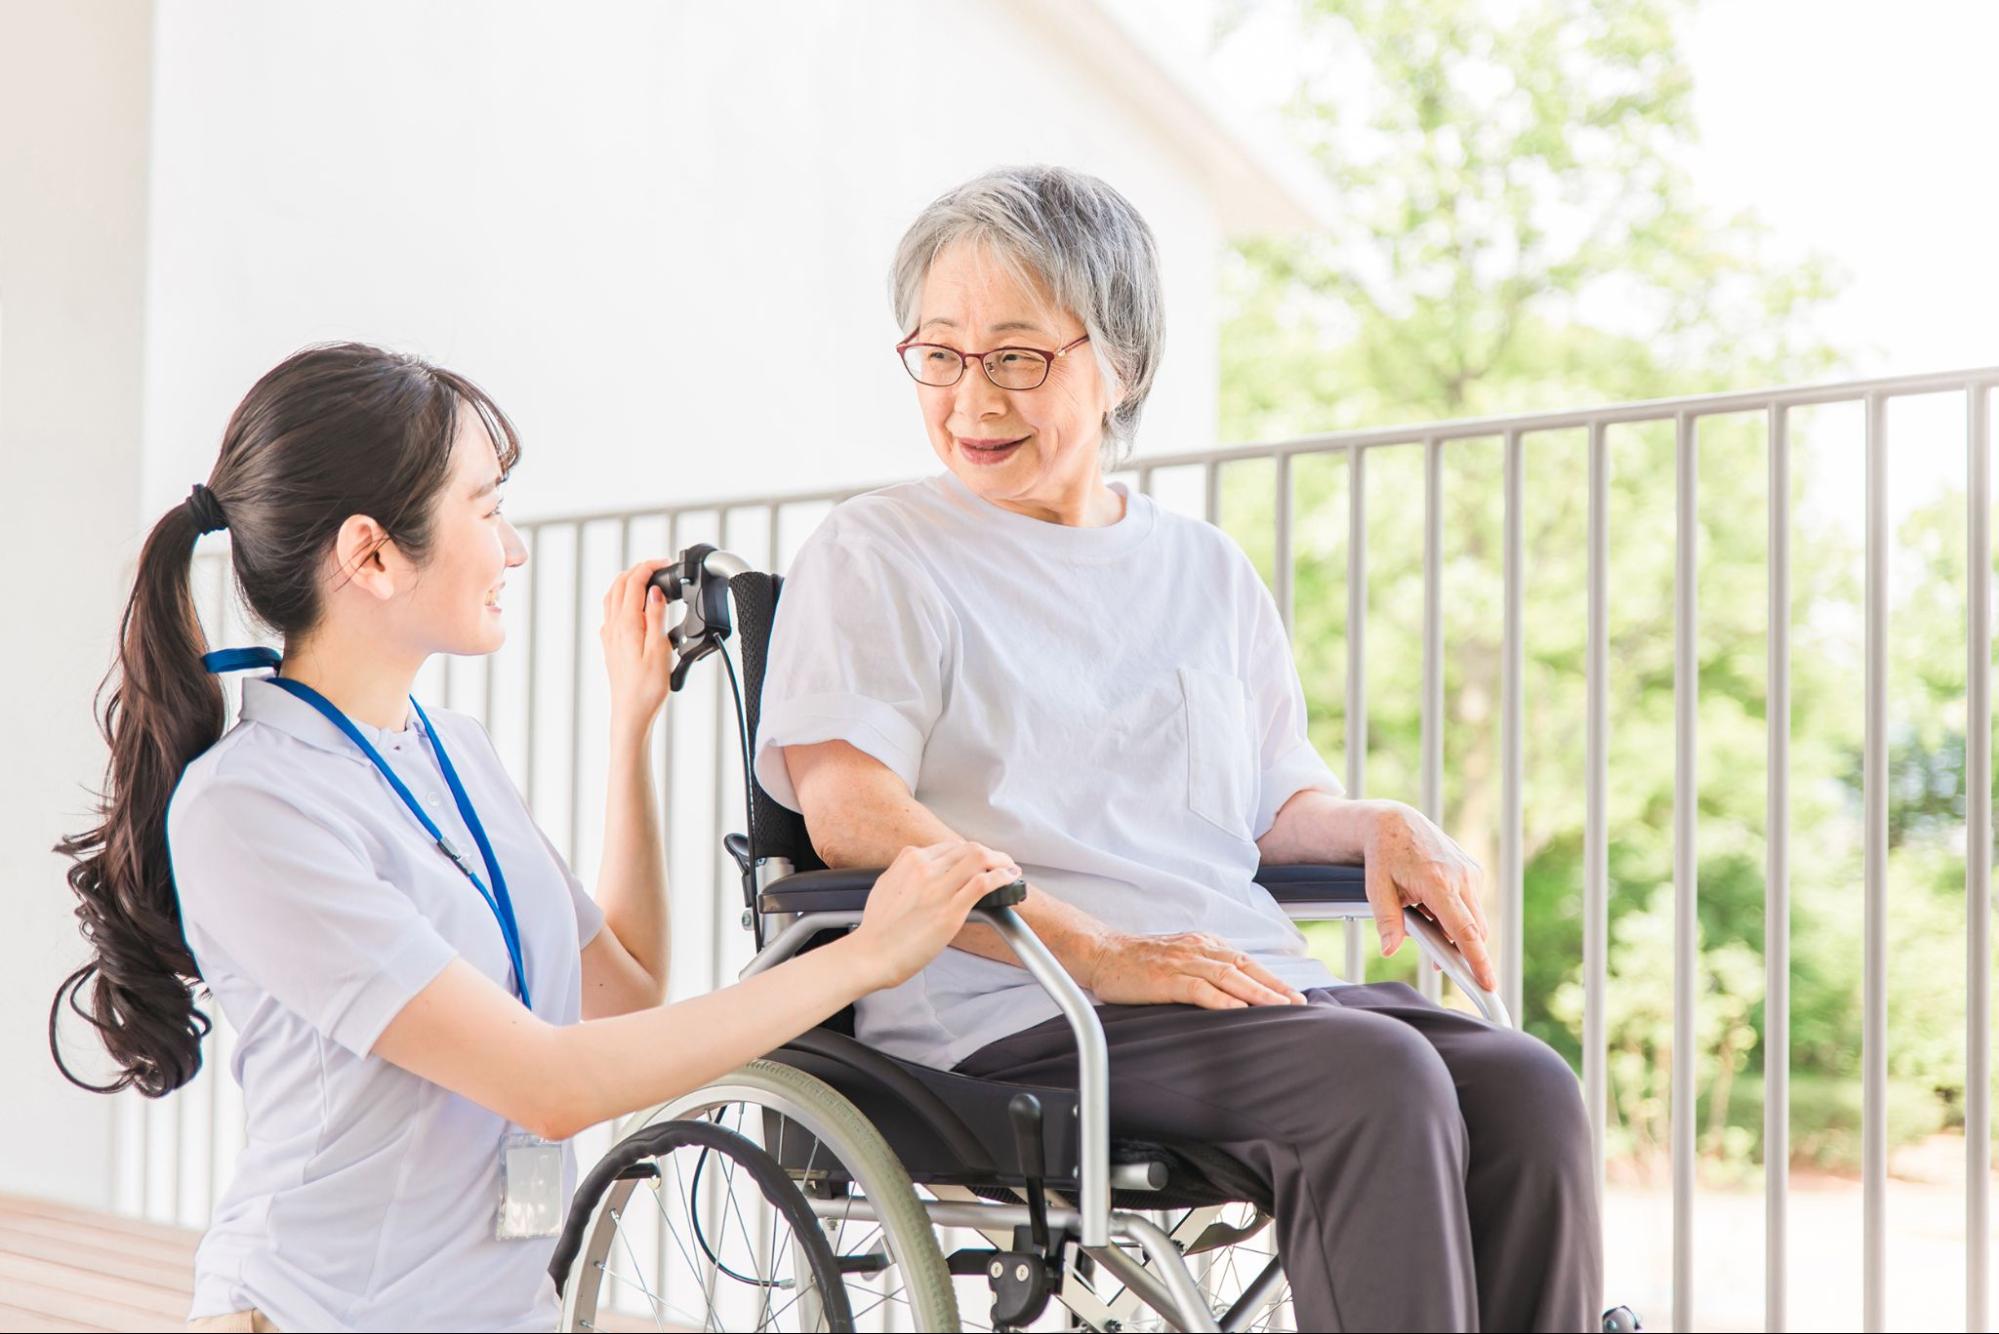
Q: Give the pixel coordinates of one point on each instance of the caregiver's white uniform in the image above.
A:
(1115, 708)
(317, 907)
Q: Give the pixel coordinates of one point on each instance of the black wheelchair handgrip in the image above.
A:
(1006, 896)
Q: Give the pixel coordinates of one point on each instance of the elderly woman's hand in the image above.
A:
(1411, 862)
(1189, 968)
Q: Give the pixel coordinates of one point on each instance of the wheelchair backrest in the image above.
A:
(779, 831)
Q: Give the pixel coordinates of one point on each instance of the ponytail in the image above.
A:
(163, 710)
(332, 431)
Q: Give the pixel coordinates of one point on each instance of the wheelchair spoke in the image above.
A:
(766, 1251)
(699, 1272)
(636, 1278)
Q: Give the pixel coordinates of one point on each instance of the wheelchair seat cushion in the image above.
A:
(951, 1129)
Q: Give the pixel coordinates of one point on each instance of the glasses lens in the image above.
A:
(937, 366)
(1017, 368)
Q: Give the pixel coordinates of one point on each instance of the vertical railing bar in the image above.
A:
(1777, 892)
(1686, 700)
(490, 671)
(1145, 481)
(1874, 965)
(146, 1110)
(1356, 695)
(1978, 871)
(671, 519)
(1211, 500)
(723, 919)
(1281, 556)
(1433, 657)
(576, 703)
(534, 654)
(177, 1113)
(1512, 771)
(1596, 842)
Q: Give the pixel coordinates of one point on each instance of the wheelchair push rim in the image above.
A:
(649, 1245)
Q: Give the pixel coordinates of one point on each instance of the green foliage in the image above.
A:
(1516, 230)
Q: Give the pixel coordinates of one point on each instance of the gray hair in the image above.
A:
(1080, 238)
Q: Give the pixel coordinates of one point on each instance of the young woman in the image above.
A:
(421, 988)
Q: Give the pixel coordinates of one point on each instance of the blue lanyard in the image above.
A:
(497, 899)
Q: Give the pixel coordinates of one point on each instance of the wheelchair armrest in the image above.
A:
(842, 889)
(1314, 884)
(845, 889)
(1345, 887)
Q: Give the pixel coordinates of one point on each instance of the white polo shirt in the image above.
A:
(317, 907)
(1115, 708)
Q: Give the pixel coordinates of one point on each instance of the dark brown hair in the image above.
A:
(331, 432)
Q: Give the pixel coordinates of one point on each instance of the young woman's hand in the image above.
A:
(920, 903)
(636, 653)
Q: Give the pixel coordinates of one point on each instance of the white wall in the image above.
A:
(74, 85)
(593, 209)
(589, 208)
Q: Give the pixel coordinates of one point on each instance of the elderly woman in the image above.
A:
(1016, 651)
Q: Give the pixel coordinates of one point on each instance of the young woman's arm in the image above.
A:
(624, 967)
(467, 1034)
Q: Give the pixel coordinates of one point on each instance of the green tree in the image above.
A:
(1516, 229)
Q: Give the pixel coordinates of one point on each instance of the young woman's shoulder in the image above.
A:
(250, 766)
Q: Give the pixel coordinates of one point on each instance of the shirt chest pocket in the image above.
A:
(1221, 778)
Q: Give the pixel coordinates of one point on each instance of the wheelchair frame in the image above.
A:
(1164, 1282)
(1167, 1285)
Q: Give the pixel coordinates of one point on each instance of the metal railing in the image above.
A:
(539, 682)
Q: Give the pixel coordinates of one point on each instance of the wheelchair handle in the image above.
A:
(1006, 896)
(699, 577)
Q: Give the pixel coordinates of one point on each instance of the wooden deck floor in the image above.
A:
(62, 1267)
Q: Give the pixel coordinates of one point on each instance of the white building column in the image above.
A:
(75, 111)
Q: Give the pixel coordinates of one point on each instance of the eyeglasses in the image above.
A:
(1014, 368)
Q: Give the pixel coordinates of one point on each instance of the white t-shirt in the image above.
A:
(317, 907)
(1115, 708)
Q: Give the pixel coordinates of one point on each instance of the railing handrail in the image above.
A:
(1416, 433)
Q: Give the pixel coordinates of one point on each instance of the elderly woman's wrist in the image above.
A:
(1084, 959)
(1377, 815)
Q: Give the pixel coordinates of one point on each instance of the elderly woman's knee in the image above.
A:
(1528, 1099)
(1382, 1069)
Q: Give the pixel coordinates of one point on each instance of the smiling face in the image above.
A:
(1033, 451)
(453, 602)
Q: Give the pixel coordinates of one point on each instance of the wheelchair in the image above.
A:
(828, 1186)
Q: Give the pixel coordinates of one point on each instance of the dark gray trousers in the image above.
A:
(1430, 1172)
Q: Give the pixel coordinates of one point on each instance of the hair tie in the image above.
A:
(207, 510)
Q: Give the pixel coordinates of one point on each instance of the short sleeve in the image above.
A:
(857, 654)
(589, 917)
(1287, 761)
(294, 907)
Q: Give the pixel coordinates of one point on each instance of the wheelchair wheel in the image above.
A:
(686, 1225)
(890, 1271)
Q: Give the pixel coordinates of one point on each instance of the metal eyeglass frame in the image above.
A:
(965, 358)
